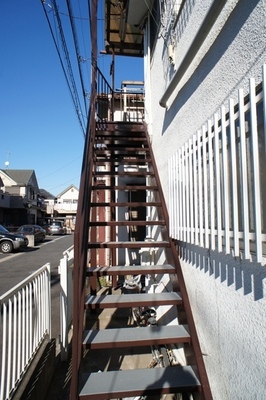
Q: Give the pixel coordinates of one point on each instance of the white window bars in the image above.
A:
(26, 323)
(217, 196)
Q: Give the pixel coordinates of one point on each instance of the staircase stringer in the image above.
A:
(81, 233)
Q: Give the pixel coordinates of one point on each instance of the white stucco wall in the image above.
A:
(228, 301)
(236, 55)
(70, 195)
(227, 295)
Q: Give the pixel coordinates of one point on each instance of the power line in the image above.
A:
(63, 184)
(78, 56)
(59, 169)
(70, 76)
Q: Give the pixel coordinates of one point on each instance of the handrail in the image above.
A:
(26, 324)
(105, 96)
(83, 211)
(105, 83)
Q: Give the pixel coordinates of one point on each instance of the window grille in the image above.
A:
(217, 180)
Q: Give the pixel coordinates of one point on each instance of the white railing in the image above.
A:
(65, 270)
(217, 195)
(131, 102)
(26, 324)
(65, 206)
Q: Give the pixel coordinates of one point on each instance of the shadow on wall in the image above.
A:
(243, 274)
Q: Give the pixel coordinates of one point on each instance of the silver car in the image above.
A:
(56, 228)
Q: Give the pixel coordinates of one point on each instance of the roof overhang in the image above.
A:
(124, 22)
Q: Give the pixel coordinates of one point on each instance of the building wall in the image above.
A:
(70, 195)
(227, 294)
(228, 301)
(235, 55)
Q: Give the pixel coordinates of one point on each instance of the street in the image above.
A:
(15, 267)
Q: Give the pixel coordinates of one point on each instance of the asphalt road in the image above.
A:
(15, 267)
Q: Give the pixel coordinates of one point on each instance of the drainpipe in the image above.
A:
(203, 31)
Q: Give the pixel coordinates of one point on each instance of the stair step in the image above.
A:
(127, 204)
(103, 139)
(129, 383)
(132, 270)
(126, 223)
(123, 245)
(120, 135)
(117, 161)
(123, 173)
(134, 337)
(120, 153)
(124, 187)
(114, 147)
(118, 127)
(132, 300)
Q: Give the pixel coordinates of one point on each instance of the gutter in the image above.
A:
(203, 31)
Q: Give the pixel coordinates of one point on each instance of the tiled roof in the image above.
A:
(20, 176)
(46, 195)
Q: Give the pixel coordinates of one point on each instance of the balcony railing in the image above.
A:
(125, 104)
(65, 207)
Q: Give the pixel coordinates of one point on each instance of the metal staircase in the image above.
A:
(122, 219)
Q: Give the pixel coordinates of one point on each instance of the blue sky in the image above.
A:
(39, 128)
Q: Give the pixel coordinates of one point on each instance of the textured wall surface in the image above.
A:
(227, 294)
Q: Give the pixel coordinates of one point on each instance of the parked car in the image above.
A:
(36, 230)
(11, 241)
(56, 228)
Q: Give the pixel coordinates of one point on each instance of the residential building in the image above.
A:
(63, 206)
(21, 202)
(205, 102)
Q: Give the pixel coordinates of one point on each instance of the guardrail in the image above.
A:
(65, 271)
(26, 324)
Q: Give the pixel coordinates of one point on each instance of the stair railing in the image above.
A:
(105, 97)
(81, 234)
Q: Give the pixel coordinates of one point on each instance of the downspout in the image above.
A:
(203, 31)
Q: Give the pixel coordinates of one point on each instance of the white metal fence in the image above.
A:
(26, 323)
(65, 270)
(217, 180)
(131, 102)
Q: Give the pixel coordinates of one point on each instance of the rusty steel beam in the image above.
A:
(81, 230)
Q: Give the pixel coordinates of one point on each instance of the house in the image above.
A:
(65, 206)
(47, 197)
(204, 103)
(4, 201)
(21, 194)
